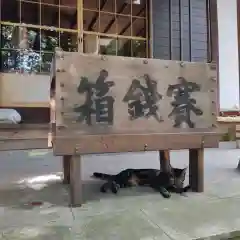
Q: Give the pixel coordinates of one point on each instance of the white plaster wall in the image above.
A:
(228, 54)
(21, 90)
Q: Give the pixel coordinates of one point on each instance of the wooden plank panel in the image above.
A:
(108, 143)
(24, 137)
(23, 144)
(21, 139)
(77, 75)
(25, 134)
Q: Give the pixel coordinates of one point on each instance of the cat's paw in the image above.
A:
(103, 188)
(115, 187)
(165, 193)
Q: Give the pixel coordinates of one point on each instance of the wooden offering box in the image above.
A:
(112, 104)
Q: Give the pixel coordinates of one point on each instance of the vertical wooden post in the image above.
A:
(164, 156)
(66, 169)
(75, 181)
(196, 169)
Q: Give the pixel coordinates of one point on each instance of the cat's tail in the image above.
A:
(102, 176)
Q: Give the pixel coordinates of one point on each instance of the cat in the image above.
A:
(163, 182)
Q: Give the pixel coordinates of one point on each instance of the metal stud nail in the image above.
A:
(212, 66)
(181, 64)
(213, 79)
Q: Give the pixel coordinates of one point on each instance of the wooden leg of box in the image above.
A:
(164, 157)
(196, 169)
(66, 169)
(75, 181)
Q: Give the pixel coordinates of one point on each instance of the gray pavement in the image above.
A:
(34, 203)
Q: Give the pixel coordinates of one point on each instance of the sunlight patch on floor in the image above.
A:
(36, 153)
(30, 233)
(39, 182)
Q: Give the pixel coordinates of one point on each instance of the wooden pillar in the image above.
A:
(164, 157)
(196, 170)
(75, 181)
(66, 169)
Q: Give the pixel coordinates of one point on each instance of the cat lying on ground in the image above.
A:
(163, 182)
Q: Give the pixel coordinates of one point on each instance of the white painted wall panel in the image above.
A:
(228, 54)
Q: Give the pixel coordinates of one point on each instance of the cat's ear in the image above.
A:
(184, 170)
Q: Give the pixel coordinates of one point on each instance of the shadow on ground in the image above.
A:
(27, 196)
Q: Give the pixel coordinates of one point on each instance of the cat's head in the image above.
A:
(178, 177)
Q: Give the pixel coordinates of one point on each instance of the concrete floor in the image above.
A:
(134, 214)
